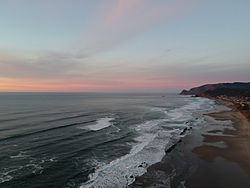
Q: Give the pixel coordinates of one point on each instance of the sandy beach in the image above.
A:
(216, 155)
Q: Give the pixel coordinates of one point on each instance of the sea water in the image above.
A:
(89, 139)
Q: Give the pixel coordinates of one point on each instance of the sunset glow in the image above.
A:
(122, 45)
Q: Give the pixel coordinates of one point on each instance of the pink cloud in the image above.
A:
(128, 19)
(121, 8)
(146, 11)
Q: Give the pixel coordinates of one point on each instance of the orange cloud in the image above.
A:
(21, 85)
(122, 84)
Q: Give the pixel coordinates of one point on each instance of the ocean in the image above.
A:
(78, 140)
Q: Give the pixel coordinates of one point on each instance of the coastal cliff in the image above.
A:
(234, 94)
(213, 90)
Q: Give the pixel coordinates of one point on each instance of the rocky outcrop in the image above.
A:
(232, 89)
(236, 94)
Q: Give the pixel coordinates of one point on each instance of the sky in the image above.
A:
(122, 45)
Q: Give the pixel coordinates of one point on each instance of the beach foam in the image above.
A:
(149, 150)
(154, 137)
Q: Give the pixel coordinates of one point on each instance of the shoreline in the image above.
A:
(216, 155)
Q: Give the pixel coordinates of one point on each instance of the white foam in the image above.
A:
(4, 176)
(158, 109)
(149, 150)
(100, 124)
(21, 154)
(154, 137)
(34, 165)
(186, 112)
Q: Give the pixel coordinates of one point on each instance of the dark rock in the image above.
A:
(184, 92)
(184, 130)
(171, 148)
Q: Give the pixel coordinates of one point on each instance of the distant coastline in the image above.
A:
(235, 95)
(215, 155)
(236, 142)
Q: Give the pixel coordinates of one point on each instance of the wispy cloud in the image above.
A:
(50, 65)
(128, 19)
(125, 20)
(84, 65)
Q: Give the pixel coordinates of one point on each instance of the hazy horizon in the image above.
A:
(122, 46)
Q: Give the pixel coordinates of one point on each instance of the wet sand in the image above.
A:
(214, 156)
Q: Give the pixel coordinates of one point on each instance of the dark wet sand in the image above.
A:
(214, 158)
